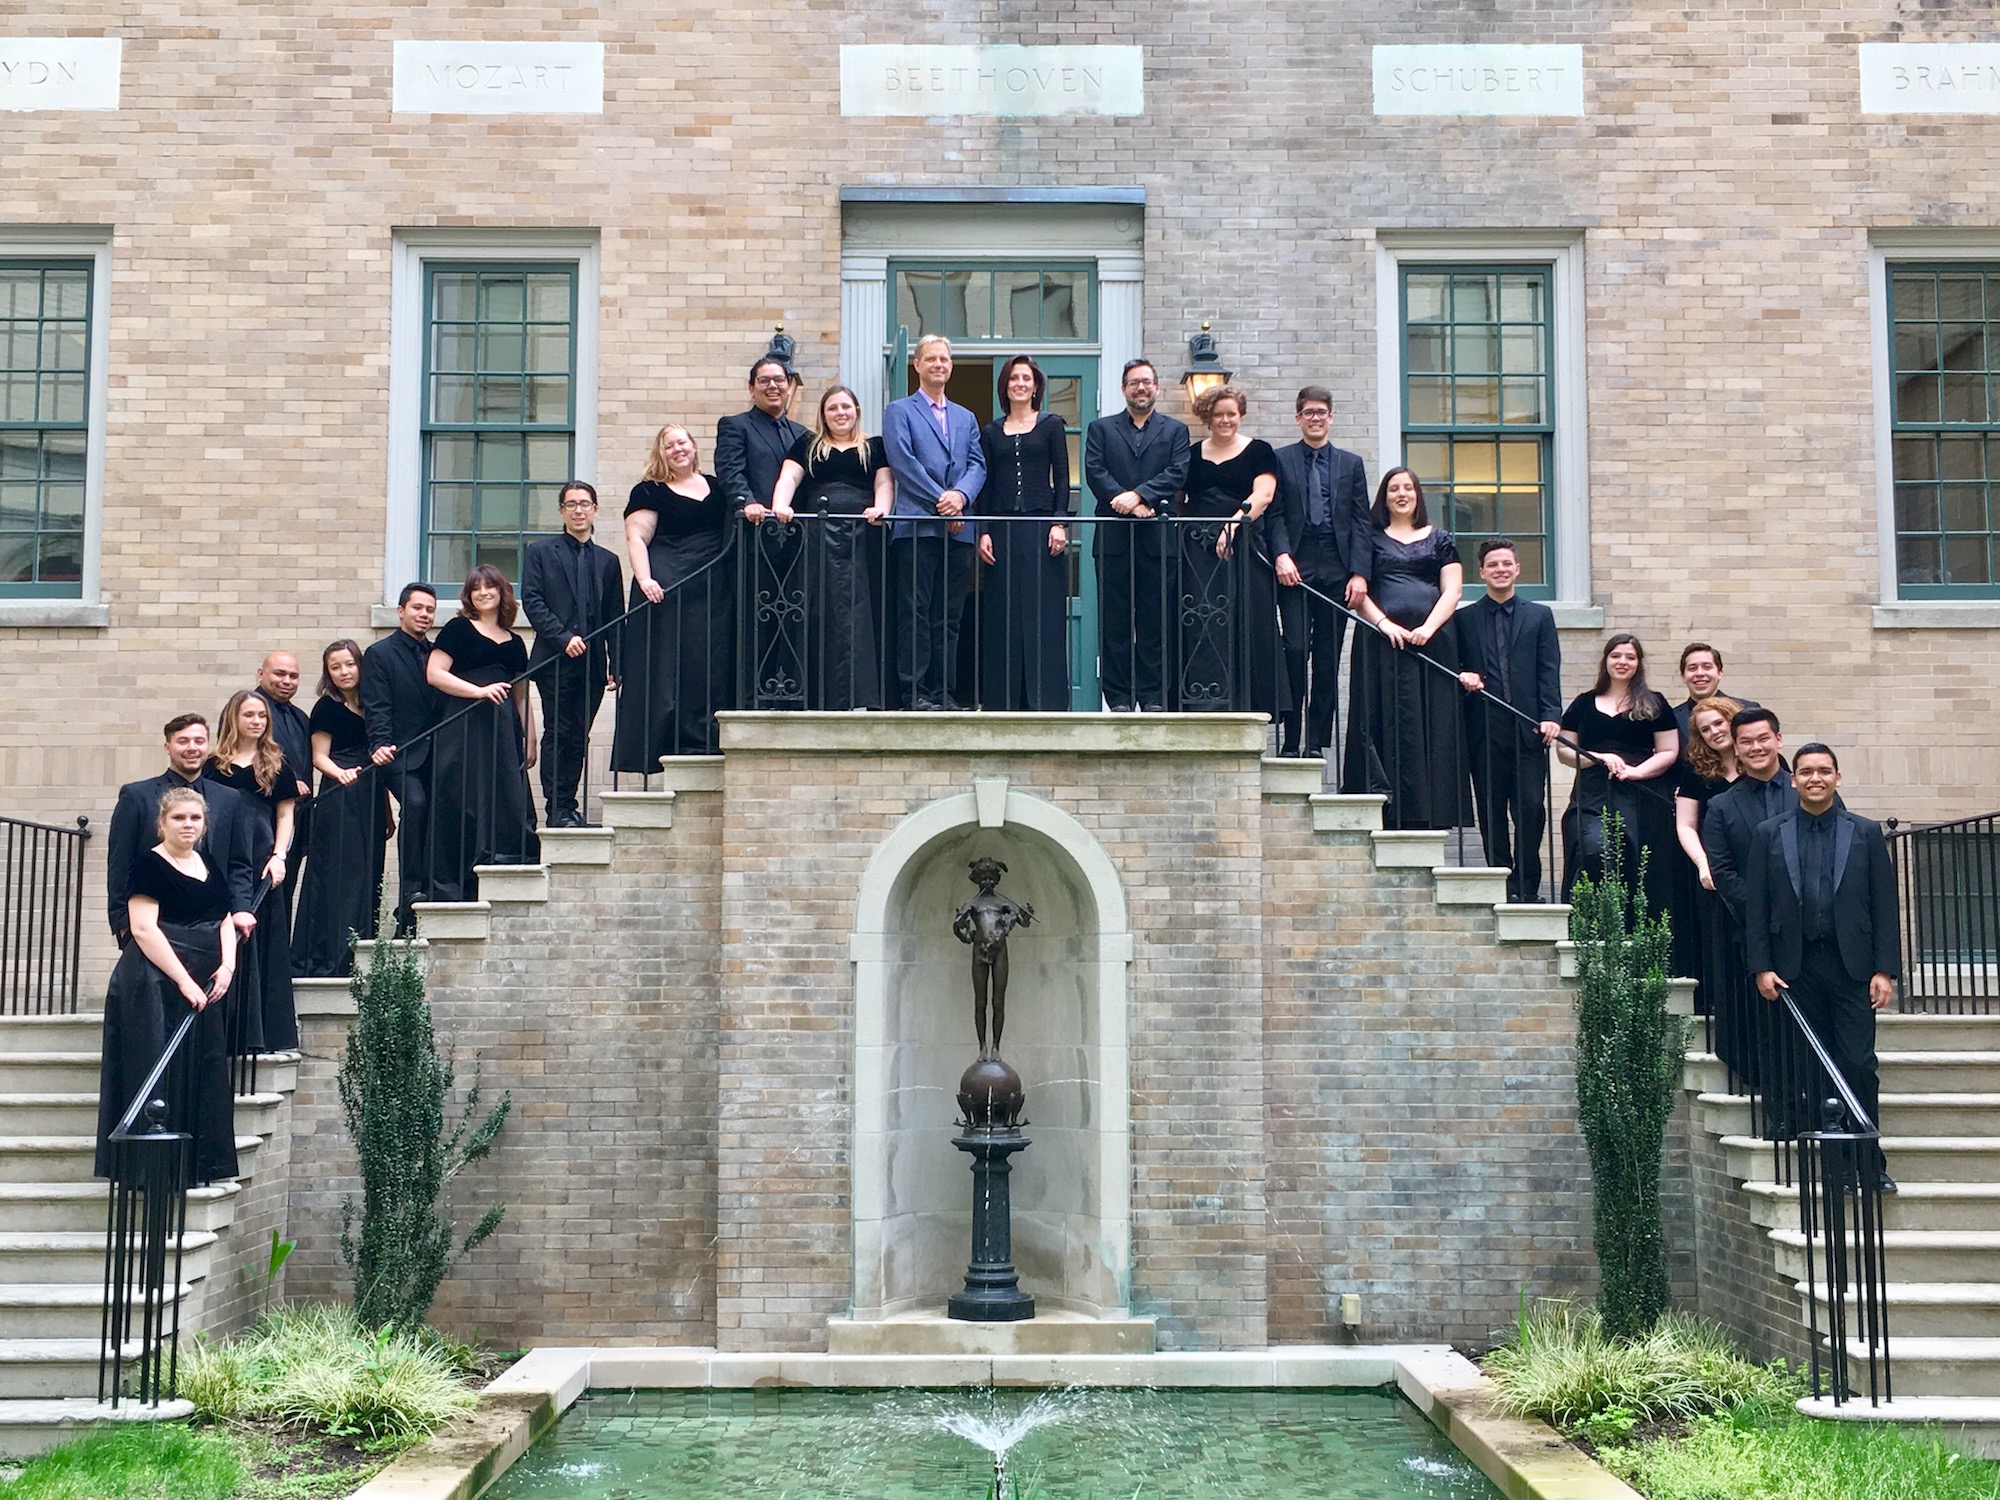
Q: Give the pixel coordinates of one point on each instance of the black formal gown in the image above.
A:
(1645, 806)
(1229, 657)
(680, 653)
(343, 879)
(843, 559)
(1705, 943)
(481, 813)
(263, 1018)
(143, 1008)
(1404, 734)
(1023, 620)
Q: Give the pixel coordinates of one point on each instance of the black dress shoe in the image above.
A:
(1886, 1185)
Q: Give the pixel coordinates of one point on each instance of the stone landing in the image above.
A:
(931, 1332)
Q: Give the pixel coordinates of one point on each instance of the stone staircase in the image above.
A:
(52, 1225)
(1941, 1122)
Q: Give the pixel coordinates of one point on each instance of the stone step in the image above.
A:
(49, 1072)
(28, 1428)
(323, 997)
(1958, 1072)
(1339, 812)
(1930, 1309)
(1532, 922)
(638, 809)
(76, 1256)
(1910, 1031)
(1925, 1115)
(1915, 1255)
(79, 1033)
(1911, 1158)
(512, 882)
(576, 846)
(69, 1158)
(1468, 885)
(453, 921)
(1933, 1366)
(1918, 1205)
(48, 1114)
(62, 1309)
(86, 1206)
(1408, 848)
(52, 1369)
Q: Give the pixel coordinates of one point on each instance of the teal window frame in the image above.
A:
(990, 270)
(1944, 427)
(527, 499)
(45, 443)
(1450, 514)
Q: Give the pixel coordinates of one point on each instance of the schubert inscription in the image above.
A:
(1479, 80)
(499, 78)
(1016, 81)
(1930, 78)
(59, 72)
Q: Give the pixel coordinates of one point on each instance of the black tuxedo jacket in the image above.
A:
(1353, 536)
(1864, 899)
(292, 729)
(397, 702)
(226, 844)
(1534, 660)
(1729, 836)
(1152, 461)
(568, 590)
(750, 449)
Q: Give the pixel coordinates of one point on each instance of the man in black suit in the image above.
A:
(1509, 648)
(399, 705)
(1701, 670)
(1822, 923)
(570, 589)
(278, 681)
(1764, 791)
(1318, 534)
(225, 842)
(750, 449)
(1135, 462)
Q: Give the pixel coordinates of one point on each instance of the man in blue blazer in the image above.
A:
(933, 449)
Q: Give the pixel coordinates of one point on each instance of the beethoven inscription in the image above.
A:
(1479, 80)
(1930, 78)
(59, 72)
(922, 80)
(500, 78)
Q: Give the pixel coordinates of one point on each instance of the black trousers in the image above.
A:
(934, 572)
(1836, 1006)
(1313, 631)
(411, 787)
(1135, 616)
(1510, 785)
(572, 689)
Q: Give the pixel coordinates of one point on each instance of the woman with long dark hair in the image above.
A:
(350, 826)
(840, 469)
(1024, 590)
(1403, 714)
(480, 809)
(1632, 742)
(248, 760)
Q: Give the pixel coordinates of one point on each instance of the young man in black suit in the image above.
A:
(1509, 649)
(225, 842)
(1319, 534)
(399, 705)
(1134, 463)
(1764, 791)
(1701, 670)
(1822, 923)
(569, 589)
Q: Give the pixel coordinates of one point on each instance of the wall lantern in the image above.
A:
(1205, 371)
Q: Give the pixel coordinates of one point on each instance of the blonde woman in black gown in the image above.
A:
(248, 760)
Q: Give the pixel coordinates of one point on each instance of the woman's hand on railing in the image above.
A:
(1472, 682)
(875, 515)
(1421, 636)
(1768, 984)
(1613, 765)
(652, 590)
(345, 775)
(1287, 570)
(782, 512)
(1393, 633)
(496, 692)
(274, 868)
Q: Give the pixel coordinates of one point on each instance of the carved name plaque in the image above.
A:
(59, 72)
(1930, 78)
(1003, 81)
(1479, 80)
(499, 78)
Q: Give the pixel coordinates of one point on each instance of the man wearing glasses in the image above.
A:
(1134, 462)
(750, 449)
(570, 592)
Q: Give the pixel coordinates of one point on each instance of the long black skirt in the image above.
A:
(1404, 734)
(142, 1009)
(342, 886)
(1024, 621)
(267, 1019)
(481, 813)
(843, 665)
(1230, 660)
(679, 657)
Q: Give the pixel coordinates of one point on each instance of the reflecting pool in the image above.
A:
(1054, 1445)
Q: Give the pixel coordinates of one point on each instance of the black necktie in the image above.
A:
(1316, 512)
(1500, 654)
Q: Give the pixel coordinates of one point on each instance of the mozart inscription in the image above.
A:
(499, 78)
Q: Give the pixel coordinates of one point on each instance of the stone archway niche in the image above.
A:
(1066, 1033)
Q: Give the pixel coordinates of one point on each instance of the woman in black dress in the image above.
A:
(481, 813)
(1229, 658)
(248, 760)
(182, 957)
(1403, 731)
(1704, 946)
(1024, 596)
(842, 471)
(350, 826)
(1633, 742)
(680, 654)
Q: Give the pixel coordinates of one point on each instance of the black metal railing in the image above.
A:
(1948, 894)
(41, 916)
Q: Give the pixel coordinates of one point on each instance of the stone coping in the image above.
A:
(1525, 1459)
(982, 733)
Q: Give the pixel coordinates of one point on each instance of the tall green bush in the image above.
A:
(394, 1083)
(1628, 1067)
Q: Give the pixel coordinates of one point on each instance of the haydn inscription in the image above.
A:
(59, 72)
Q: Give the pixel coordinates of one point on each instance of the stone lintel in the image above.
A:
(985, 734)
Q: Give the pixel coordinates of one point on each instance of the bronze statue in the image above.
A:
(984, 922)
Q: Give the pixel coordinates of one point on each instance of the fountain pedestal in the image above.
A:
(991, 1095)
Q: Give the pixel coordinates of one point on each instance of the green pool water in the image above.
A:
(898, 1445)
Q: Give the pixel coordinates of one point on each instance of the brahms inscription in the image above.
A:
(499, 78)
(1930, 78)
